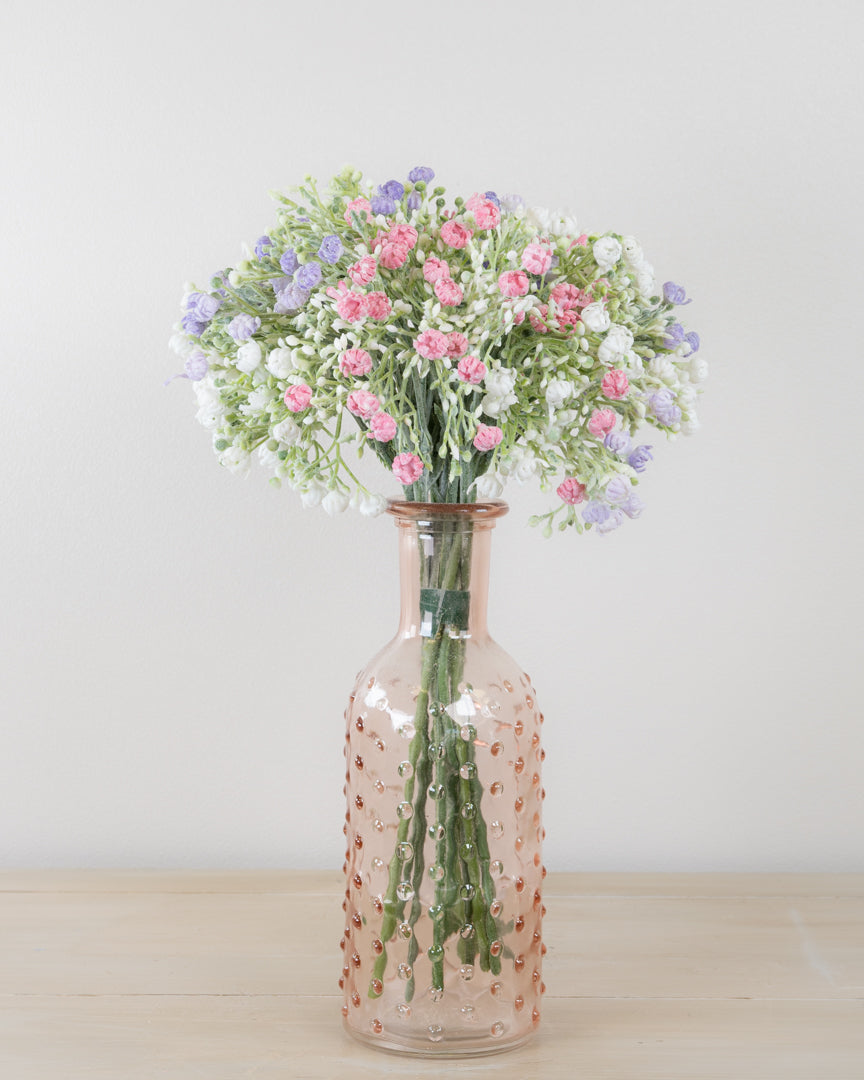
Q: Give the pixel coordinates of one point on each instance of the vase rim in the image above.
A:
(420, 511)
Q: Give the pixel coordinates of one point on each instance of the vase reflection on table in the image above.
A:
(442, 949)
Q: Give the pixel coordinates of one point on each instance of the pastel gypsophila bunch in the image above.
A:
(464, 346)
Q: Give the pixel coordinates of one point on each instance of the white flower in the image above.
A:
(616, 344)
(687, 397)
(488, 486)
(698, 370)
(691, 425)
(268, 458)
(525, 467)
(645, 282)
(661, 367)
(557, 392)
(372, 505)
(279, 363)
(632, 252)
(210, 408)
(180, 344)
(634, 364)
(539, 217)
(499, 391)
(259, 401)
(335, 502)
(248, 357)
(596, 318)
(312, 494)
(236, 459)
(287, 432)
(607, 252)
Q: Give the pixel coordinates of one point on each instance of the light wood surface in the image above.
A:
(139, 975)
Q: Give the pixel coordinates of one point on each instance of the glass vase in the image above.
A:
(442, 949)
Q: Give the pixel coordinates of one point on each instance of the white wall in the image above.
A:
(178, 644)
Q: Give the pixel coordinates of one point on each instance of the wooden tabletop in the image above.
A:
(232, 976)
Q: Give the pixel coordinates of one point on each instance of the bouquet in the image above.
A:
(463, 345)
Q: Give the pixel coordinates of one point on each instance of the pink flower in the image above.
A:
(361, 273)
(455, 235)
(568, 296)
(407, 468)
(571, 491)
(435, 268)
(362, 403)
(431, 344)
(513, 283)
(376, 305)
(580, 241)
(471, 370)
(487, 437)
(615, 384)
(602, 422)
(536, 259)
(538, 319)
(486, 213)
(567, 321)
(382, 427)
(298, 396)
(403, 234)
(355, 362)
(349, 306)
(358, 206)
(448, 292)
(393, 255)
(457, 345)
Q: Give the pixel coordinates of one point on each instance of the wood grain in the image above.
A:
(128, 974)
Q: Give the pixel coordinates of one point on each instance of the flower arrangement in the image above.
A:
(463, 346)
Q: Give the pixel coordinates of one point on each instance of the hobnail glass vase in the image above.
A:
(442, 952)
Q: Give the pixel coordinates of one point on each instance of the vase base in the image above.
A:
(461, 1048)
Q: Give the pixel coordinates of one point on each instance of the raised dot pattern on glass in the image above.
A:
(387, 981)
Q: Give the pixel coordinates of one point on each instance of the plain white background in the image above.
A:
(178, 643)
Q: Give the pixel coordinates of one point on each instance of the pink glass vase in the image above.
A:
(442, 952)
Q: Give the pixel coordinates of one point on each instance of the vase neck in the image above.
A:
(444, 567)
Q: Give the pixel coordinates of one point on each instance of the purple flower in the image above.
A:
(618, 490)
(197, 365)
(330, 250)
(664, 408)
(392, 189)
(492, 197)
(242, 327)
(612, 522)
(414, 200)
(595, 513)
(309, 275)
(640, 457)
(202, 306)
(512, 203)
(421, 173)
(193, 326)
(692, 340)
(633, 506)
(289, 261)
(263, 242)
(675, 294)
(383, 204)
(618, 442)
(674, 336)
(289, 299)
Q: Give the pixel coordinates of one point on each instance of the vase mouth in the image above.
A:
(424, 511)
